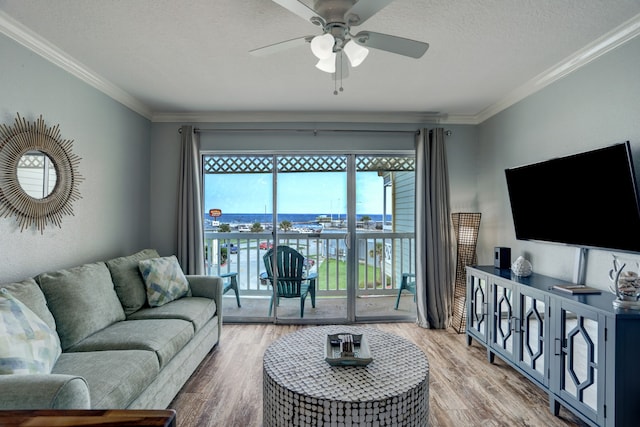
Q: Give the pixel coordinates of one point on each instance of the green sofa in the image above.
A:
(117, 352)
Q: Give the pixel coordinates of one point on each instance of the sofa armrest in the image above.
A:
(44, 391)
(208, 287)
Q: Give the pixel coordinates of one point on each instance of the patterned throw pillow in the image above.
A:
(163, 279)
(27, 344)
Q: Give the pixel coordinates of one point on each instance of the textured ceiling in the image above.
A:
(191, 56)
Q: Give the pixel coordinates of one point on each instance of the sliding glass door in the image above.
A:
(384, 237)
(312, 219)
(348, 216)
(238, 229)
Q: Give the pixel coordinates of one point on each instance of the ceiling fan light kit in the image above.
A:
(328, 65)
(336, 17)
(355, 53)
(322, 46)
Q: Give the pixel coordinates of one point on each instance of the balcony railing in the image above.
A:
(382, 257)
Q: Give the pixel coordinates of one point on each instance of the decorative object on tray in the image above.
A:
(626, 284)
(521, 267)
(346, 349)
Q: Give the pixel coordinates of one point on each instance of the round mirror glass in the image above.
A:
(36, 174)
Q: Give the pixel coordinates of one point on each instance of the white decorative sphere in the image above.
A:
(521, 267)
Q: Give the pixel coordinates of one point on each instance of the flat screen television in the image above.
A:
(586, 200)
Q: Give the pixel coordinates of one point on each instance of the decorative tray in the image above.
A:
(347, 349)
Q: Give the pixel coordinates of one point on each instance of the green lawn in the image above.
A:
(342, 274)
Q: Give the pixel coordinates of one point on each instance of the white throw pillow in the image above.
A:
(163, 279)
(27, 344)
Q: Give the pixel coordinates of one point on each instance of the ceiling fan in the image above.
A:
(336, 17)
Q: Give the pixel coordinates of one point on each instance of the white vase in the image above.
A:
(521, 267)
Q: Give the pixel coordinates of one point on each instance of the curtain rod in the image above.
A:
(315, 131)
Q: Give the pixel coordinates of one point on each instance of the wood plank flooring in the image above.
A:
(464, 389)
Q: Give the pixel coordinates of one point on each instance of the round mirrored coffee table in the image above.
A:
(301, 389)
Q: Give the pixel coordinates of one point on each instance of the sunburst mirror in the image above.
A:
(38, 174)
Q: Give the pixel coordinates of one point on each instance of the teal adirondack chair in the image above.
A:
(409, 285)
(291, 282)
(231, 284)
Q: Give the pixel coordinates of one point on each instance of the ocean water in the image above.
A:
(250, 218)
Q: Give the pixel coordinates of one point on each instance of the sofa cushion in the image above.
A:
(196, 310)
(27, 344)
(165, 337)
(115, 378)
(82, 300)
(30, 294)
(128, 281)
(164, 280)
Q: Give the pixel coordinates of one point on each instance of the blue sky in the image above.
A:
(302, 192)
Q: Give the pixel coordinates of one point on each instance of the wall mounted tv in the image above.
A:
(586, 200)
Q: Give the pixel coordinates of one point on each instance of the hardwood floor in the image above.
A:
(464, 389)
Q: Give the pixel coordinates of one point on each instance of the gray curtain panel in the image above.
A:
(434, 260)
(190, 214)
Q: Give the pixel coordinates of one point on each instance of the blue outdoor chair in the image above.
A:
(231, 284)
(291, 282)
(407, 285)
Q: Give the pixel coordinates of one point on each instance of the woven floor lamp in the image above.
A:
(466, 226)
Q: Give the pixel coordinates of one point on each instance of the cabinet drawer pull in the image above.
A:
(557, 346)
(515, 324)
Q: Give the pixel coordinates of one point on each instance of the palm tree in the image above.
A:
(286, 225)
(366, 219)
(378, 253)
(223, 256)
(224, 228)
(256, 227)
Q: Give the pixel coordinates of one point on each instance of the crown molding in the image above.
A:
(37, 44)
(611, 40)
(299, 116)
(460, 119)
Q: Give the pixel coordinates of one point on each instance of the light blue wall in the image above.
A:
(165, 161)
(597, 105)
(112, 218)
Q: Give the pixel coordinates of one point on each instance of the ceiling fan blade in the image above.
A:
(297, 7)
(363, 10)
(278, 47)
(394, 44)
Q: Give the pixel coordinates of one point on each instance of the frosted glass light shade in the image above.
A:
(322, 46)
(355, 53)
(328, 65)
